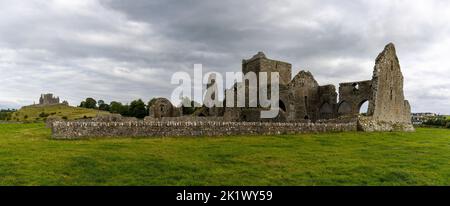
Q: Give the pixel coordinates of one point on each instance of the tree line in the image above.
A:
(441, 121)
(137, 108)
(6, 114)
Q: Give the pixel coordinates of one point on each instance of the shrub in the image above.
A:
(439, 122)
(43, 115)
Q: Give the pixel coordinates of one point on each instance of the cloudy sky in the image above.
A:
(124, 50)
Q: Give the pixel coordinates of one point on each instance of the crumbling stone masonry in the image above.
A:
(388, 109)
(305, 106)
(164, 108)
(197, 127)
(302, 98)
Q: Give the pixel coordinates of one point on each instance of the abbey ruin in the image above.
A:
(305, 106)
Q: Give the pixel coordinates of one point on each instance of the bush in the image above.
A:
(64, 118)
(89, 103)
(439, 122)
(137, 109)
(43, 115)
(6, 114)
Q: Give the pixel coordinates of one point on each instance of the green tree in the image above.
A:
(6, 114)
(83, 104)
(90, 103)
(116, 107)
(126, 111)
(138, 109)
(102, 105)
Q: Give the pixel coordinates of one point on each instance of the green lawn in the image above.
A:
(29, 157)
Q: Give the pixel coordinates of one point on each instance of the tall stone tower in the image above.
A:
(389, 102)
(260, 63)
(388, 109)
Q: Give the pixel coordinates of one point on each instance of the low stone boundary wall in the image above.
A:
(83, 129)
(367, 124)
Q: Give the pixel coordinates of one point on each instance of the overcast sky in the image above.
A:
(125, 50)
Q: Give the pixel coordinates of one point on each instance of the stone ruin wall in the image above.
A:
(163, 108)
(184, 126)
(304, 99)
(307, 107)
(389, 103)
(260, 63)
(352, 95)
(388, 110)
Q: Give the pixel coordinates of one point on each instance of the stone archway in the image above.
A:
(363, 107)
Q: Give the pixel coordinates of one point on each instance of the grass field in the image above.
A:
(36, 113)
(29, 157)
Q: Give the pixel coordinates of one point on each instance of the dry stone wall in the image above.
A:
(149, 128)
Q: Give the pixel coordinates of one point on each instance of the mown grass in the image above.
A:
(29, 157)
(40, 113)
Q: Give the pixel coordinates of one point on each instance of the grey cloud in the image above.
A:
(122, 50)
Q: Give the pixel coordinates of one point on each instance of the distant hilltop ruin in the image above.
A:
(50, 99)
(305, 107)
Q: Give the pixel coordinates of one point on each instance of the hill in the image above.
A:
(40, 113)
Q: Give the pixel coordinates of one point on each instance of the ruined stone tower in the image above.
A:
(388, 102)
(260, 63)
(388, 109)
(303, 99)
